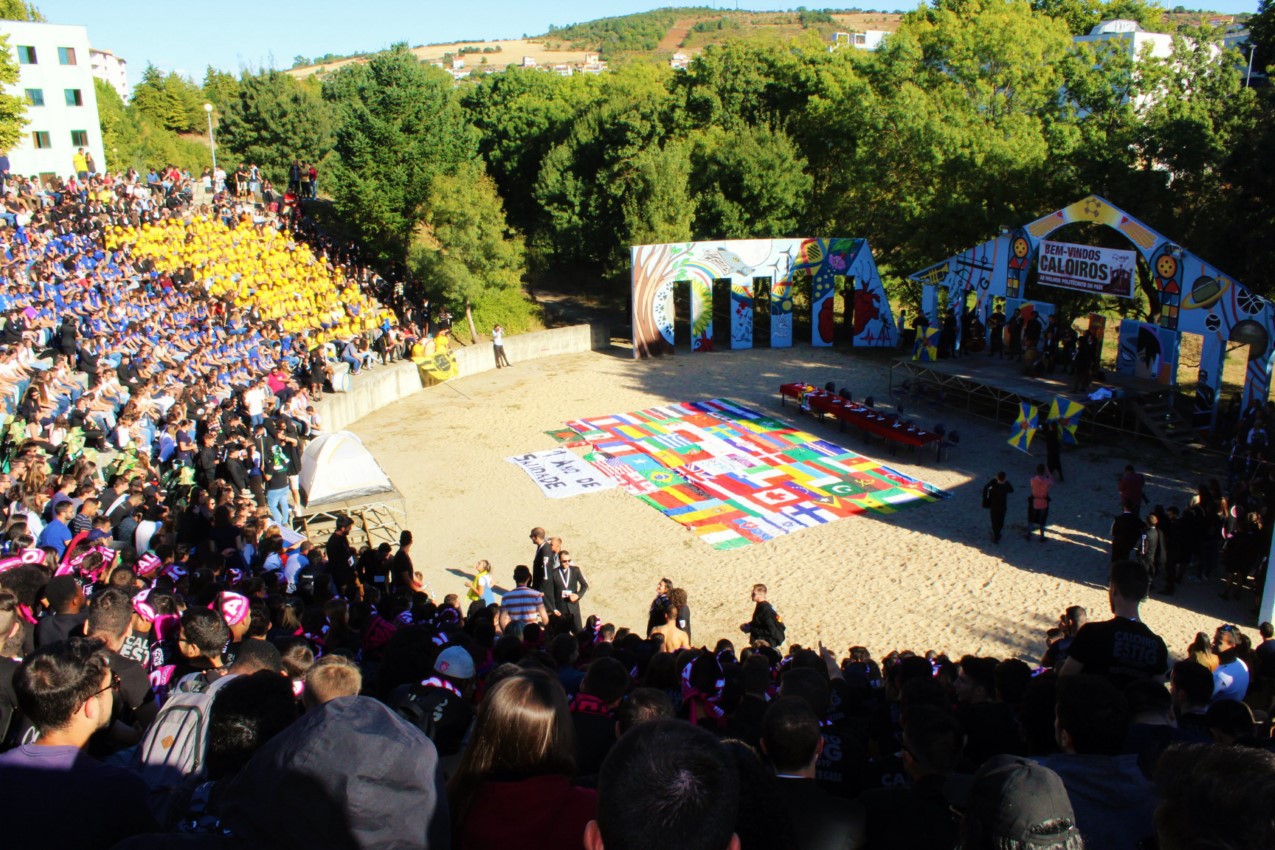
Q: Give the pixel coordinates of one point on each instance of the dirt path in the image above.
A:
(677, 33)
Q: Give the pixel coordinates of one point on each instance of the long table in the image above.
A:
(889, 426)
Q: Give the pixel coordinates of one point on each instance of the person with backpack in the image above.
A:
(172, 751)
(442, 706)
(766, 626)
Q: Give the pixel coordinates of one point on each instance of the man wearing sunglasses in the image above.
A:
(52, 787)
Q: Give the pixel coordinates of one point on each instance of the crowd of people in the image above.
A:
(178, 666)
(339, 704)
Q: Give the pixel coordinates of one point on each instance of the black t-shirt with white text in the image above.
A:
(1123, 650)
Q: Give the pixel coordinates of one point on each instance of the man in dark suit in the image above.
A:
(542, 563)
(568, 586)
(791, 740)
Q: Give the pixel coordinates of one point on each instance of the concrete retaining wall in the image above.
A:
(372, 390)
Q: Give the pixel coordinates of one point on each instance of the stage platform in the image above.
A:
(993, 388)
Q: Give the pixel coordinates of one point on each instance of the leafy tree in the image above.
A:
(752, 183)
(466, 253)
(132, 140)
(170, 101)
(399, 127)
(1261, 28)
(220, 88)
(520, 115)
(16, 10)
(657, 205)
(584, 180)
(1081, 16)
(12, 108)
(272, 120)
(953, 129)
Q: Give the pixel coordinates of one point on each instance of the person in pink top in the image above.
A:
(1038, 501)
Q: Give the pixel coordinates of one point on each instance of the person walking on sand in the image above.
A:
(996, 500)
(1038, 501)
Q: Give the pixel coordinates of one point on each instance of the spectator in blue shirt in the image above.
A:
(58, 532)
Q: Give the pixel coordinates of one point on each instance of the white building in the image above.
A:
(866, 40)
(111, 70)
(56, 80)
(1132, 36)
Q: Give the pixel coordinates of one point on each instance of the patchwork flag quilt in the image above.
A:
(735, 476)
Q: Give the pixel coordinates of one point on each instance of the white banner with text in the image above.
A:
(1084, 268)
(561, 474)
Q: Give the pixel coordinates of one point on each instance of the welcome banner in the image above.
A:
(560, 474)
(1084, 268)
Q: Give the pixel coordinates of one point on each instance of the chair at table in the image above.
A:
(946, 444)
(831, 387)
(940, 429)
(845, 394)
(869, 402)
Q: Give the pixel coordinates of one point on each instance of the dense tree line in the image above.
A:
(974, 115)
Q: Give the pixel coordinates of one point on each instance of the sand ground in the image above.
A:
(927, 577)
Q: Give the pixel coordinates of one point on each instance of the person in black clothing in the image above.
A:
(64, 598)
(542, 562)
(791, 740)
(206, 460)
(1151, 551)
(918, 815)
(1126, 533)
(1053, 449)
(766, 625)
(660, 605)
(1123, 648)
(593, 712)
(442, 706)
(401, 565)
(341, 557)
(67, 335)
(996, 500)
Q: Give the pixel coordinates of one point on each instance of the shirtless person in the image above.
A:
(674, 639)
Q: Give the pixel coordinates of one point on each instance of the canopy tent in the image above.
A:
(339, 476)
(337, 467)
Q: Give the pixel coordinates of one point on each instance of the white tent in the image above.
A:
(337, 467)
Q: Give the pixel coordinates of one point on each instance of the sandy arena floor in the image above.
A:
(927, 577)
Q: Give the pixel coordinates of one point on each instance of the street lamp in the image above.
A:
(212, 144)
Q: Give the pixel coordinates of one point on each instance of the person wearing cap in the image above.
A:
(1014, 804)
(442, 706)
(236, 611)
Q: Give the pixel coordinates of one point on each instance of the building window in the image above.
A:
(40, 139)
(26, 55)
(66, 55)
(74, 97)
(35, 97)
(79, 138)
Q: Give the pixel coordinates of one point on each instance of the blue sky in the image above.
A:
(232, 34)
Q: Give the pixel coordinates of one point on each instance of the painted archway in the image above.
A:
(1195, 296)
(786, 263)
